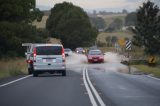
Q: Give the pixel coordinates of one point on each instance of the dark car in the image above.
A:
(95, 56)
(80, 50)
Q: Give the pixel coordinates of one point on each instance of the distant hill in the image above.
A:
(110, 18)
(41, 24)
(121, 34)
(107, 18)
(102, 36)
(46, 12)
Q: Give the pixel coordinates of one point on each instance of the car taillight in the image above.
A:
(63, 54)
(34, 53)
(29, 61)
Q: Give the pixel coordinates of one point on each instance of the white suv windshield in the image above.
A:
(49, 50)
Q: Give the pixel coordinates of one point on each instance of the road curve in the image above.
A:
(112, 87)
(119, 89)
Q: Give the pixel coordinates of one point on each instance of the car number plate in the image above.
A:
(54, 60)
(95, 60)
(49, 60)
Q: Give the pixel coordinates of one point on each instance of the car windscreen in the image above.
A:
(49, 50)
(67, 50)
(80, 49)
(95, 52)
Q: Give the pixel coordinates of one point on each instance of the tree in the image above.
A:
(111, 40)
(130, 19)
(124, 11)
(126, 39)
(19, 11)
(98, 22)
(16, 17)
(147, 28)
(11, 38)
(94, 12)
(116, 24)
(70, 24)
(108, 40)
(114, 39)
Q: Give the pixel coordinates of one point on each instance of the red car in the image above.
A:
(95, 56)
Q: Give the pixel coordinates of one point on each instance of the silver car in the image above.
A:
(48, 58)
(67, 51)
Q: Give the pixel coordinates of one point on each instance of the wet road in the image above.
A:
(119, 89)
(113, 88)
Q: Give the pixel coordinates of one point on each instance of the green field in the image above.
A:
(110, 18)
(41, 24)
(121, 34)
(101, 37)
(107, 18)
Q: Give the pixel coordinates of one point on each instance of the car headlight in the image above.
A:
(89, 57)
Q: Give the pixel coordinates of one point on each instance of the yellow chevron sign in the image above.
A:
(122, 42)
(152, 60)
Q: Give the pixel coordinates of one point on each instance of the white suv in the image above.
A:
(48, 58)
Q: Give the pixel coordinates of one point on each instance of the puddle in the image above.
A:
(133, 71)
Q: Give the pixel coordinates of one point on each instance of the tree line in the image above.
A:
(71, 25)
(147, 28)
(16, 17)
(66, 22)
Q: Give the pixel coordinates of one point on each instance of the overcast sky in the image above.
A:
(108, 5)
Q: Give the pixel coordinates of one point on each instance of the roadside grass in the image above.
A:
(155, 71)
(107, 49)
(12, 67)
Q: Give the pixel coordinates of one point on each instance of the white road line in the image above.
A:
(94, 90)
(88, 90)
(15, 81)
(153, 77)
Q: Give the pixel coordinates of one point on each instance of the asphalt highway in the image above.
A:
(46, 90)
(85, 85)
(119, 89)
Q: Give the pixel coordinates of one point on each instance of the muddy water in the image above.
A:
(112, 63)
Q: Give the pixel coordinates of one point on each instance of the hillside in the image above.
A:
(41, 24)
(101, 37)
(107, 18)
(121, 34)
(110, 18)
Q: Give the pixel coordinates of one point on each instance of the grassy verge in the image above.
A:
(107, 49)
(12, 67)
(155, 71)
